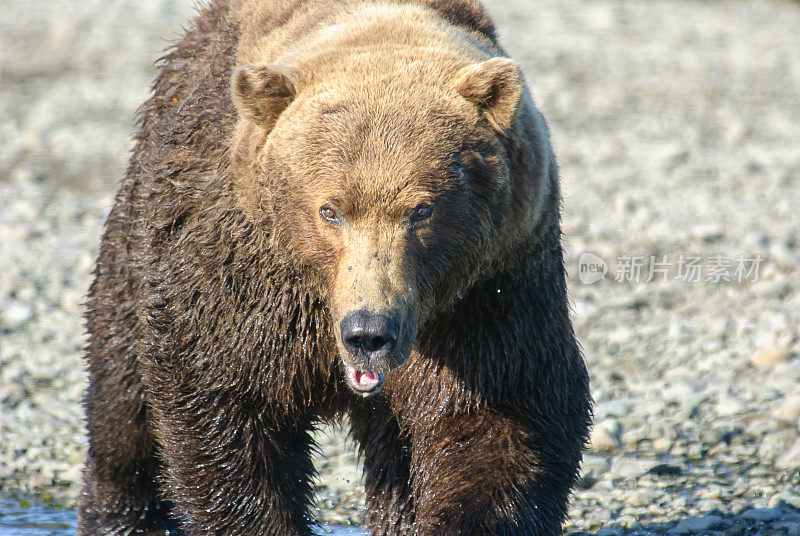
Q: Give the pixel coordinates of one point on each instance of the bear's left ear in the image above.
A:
(495, 87)
(261, 92)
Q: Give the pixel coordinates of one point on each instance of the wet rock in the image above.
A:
(665, 469)
(695, 525)
(609, 531)
(787, 502)
(762, 514)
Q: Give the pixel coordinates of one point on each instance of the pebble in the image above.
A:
(17, 314)
(790, 459)
(603, 439)
(729, 406)
(766, 359)
(789, 409)
(631, 468)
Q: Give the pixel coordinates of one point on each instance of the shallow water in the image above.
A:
(24, 518)
(31, 518)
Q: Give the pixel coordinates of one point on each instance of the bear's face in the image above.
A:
(390, 195)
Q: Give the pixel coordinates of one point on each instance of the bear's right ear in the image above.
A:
(495, 87)
(261, 92)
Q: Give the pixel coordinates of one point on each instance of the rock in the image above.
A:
(790, 459)
(609, 531)
(709, 505)
(628, 522)
(761, 426)
(786, 501)
(631, 468)
(708, 232)
(777, 288)
(665, 469)
(737, 529)
(603, 439)
(17, 314)
(594, 466)
(766, 359)
(762, 514)
(729, 406)
(694, 525)
(613, 408)
(633, 437)
(789, 410)
(642, 497)
(662, 445)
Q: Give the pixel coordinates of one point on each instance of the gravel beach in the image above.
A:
(677, 127)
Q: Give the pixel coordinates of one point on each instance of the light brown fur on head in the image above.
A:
(372, 118)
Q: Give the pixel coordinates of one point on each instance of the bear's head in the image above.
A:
(393, 189)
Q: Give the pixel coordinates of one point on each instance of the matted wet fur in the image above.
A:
(300, 164)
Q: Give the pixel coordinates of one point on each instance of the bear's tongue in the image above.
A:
(365, 380)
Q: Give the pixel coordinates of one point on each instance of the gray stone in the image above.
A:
(694, 525)
(594, 466)
(762, 514)
(786, 501)
(613, 408)
(609, 531)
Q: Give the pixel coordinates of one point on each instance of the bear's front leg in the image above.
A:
(231, 465)
(387, 462)
(492, 473)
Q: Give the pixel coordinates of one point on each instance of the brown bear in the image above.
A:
(334, 208)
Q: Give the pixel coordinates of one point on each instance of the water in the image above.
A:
(31, 518)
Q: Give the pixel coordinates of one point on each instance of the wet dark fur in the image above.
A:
(211, 358)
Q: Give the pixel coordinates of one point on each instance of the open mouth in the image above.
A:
(364, 382)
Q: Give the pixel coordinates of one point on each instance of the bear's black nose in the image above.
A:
(369, 335)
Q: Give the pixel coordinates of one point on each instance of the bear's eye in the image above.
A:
(422, 212)
(328, 214)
